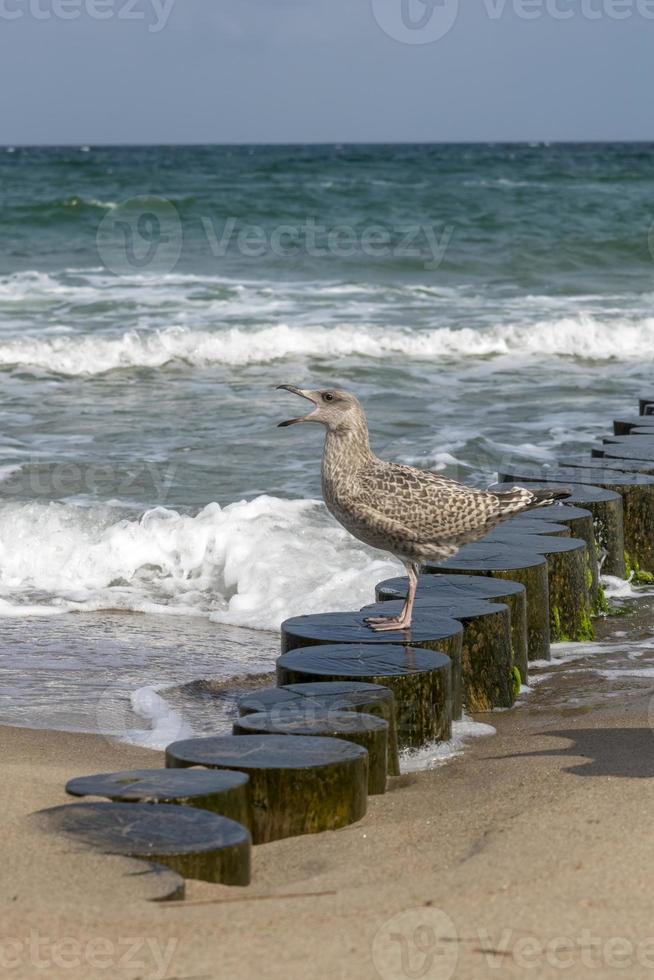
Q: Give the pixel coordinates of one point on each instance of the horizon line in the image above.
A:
(336, 143)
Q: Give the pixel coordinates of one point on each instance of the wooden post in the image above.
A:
(487, 656)
(479, 587)
(569, 591)
(605, 505)
(580, 523)
(598, 464)
(637, 492)
(502, 561)
(297, 785)
(428, 630)
(528, 524)
(622, 427)
(371, 699)
(224, 793)
(306, 717)
(420, 680)
(192, 842)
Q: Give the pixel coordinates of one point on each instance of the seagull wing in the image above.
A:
(425, 506)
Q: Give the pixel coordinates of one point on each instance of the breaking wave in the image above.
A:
(579, 337)
(247, 564)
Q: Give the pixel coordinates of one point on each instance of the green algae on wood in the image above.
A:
(605, 505)
(298, 785)
(487, 655)
(568, 583)
(419, 678)
(302, 718)
(372, 699)
(516, 681)
(635, 573)
(192, 842)
(637, 492)
(428, 630)
(581, 524)
(507, 562)
(479, 587)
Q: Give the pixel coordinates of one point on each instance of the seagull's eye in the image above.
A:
(328, 397)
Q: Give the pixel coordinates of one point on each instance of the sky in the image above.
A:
(253, 71)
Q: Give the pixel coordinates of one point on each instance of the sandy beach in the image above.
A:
(526, 854)
(428, 227)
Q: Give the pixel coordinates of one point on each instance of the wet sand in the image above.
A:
(527, 855)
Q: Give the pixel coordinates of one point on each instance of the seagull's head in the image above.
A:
(337, 410)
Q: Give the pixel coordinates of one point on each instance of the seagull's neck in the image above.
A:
(346, 451)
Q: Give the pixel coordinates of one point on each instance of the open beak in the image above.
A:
(303, 394)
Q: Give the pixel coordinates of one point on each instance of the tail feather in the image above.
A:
(520, 499)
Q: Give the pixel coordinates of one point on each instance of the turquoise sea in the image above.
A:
(486, 302)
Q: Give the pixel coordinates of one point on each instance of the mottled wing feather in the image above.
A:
(517, 500)
(425, 506)
(396, 536)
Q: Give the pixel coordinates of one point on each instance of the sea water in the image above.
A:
(488, 304)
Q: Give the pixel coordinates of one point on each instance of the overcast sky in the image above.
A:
(172, 71)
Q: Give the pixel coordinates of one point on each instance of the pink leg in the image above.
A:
(380, 624)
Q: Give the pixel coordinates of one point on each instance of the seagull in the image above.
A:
(415, 515)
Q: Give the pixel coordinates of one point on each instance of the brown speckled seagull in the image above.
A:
(416, 515)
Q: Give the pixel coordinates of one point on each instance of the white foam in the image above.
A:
(620, 588)
(617, 673)
(248, 564)
(74, 355)
(436, 460)
(166, 723)
(438, 753)
(16, 607)
(6, 471)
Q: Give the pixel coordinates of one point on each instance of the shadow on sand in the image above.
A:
(610, 751)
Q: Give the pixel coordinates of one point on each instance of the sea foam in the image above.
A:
(77, 355)
(251, 563)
